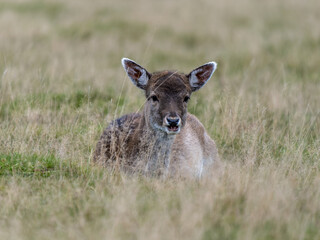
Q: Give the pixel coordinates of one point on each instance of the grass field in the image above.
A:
(61, 82)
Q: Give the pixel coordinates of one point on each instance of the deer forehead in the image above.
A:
(168, 83)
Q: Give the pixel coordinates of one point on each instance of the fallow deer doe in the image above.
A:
(164, 138)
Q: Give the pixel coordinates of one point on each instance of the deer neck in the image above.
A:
(158, 146)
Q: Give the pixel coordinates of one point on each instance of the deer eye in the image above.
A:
(154, 98)
(186, 99)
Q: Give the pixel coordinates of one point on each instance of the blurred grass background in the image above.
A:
(61, 82)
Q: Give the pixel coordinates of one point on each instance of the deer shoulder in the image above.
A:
(194, 153)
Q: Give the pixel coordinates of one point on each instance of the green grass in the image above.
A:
(35, 166)
(51, 9)
(61, 82)
(27, 165)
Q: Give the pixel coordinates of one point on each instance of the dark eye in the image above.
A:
(186, 99)
(154, 98)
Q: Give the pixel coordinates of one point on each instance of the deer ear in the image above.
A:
(199, 76)
(138, 75)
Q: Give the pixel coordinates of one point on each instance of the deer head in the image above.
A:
(167, 93)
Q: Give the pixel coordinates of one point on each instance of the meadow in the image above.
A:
(61, 83)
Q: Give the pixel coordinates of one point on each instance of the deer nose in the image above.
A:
(173, 121)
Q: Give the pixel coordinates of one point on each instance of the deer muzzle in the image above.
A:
(172, 124)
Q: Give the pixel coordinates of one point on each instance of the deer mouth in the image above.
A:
(172, 124)
(173, 129)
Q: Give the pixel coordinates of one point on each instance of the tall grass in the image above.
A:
(61, 82)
